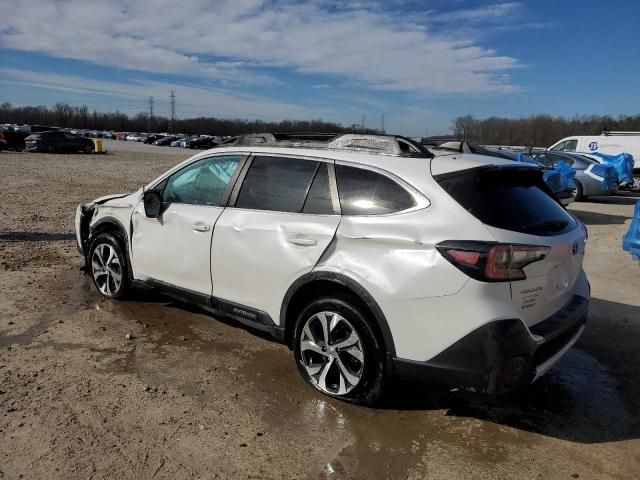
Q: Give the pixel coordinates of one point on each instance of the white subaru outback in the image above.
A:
(366, 255)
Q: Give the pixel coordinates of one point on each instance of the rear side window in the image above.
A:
(363, 192)
(277, 183)
(512, 199)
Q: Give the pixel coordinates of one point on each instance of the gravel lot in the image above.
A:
(189, 396)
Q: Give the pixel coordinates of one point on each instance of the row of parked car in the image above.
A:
(46, 138)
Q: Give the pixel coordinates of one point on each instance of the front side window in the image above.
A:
(363, 192)
(203, 182)
(278, 184)
(566, 146)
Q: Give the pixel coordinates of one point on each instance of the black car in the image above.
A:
(152, 138)
(202, 143)
(163, 142)
(58, 142)
(3, 144)
(14, 138)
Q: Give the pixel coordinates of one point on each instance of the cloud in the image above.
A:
(191, 100)
(496, 11)
(253, 41)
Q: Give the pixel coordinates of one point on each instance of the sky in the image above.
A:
(418, 63)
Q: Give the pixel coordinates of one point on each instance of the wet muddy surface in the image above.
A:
(150, 388)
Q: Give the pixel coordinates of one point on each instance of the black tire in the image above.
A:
(373, 369)
(50, 149)
(101, 243)
(88, 148)
(578, 193)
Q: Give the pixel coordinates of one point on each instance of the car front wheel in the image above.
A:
(88, 148)
(107, 263)
(338, 352)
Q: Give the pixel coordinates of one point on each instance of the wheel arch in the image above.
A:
(109, 225)
(316, 284)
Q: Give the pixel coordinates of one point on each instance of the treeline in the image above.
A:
(64, 115)
(537, 130)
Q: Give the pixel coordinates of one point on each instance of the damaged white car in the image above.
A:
(366, 255)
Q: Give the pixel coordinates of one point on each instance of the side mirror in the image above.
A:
(152, 204)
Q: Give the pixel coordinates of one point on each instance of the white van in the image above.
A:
(609, 143)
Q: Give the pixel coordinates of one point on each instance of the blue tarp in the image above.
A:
(560, 178)
(631, 239)
(608, 174)
(623, 164)
(567, 174)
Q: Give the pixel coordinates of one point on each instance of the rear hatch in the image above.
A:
(521, 212)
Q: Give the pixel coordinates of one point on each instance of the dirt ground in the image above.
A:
(190, 396)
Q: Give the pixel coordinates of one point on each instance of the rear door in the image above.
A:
(282, 216)
(175, 248)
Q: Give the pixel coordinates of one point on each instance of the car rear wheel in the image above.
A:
(338, 353)
(578, 192)
(50, 149)
(108, 266)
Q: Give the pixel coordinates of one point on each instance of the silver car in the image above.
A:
(592, 178)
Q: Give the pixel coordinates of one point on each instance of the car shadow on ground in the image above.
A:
(627, 199)
(591, 396)
(595, 218)
(35, 237)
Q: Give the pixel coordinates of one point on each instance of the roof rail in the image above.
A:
(370, 143)
(620, 133)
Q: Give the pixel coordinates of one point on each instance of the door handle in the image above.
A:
(201, 227)
(303, 241)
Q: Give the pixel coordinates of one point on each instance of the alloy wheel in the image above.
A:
(106, 269)
(332, 353)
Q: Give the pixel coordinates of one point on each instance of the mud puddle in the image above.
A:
(176, 348)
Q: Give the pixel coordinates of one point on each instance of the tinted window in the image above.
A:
(363, 192)
(319, 197)
(512, 199)
(203, 182)
(277, 183)
(561, 158)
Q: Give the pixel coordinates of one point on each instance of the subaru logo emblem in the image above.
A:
(574, 248)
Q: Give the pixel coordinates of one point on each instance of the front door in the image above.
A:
(283, 219)
(175, 248)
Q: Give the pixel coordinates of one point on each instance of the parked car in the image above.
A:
(154, 137)
(58, 141)
(559, 181)
(14, 138)
(608, 143)
(166, 141)
(202, 143)
(178, 141)
(592, 178)
(3, 144)
(135, 137)
(365, 254)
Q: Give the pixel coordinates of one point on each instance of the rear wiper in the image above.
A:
(553, 225)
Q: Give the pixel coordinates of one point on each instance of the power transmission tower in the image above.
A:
(150, 119)
(172, 105)
(362, 124)
(383, 123)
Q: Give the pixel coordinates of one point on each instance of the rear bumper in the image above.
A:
(503, 355)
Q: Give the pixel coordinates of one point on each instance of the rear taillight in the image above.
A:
(490, 261)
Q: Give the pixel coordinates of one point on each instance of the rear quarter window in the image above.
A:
(363, 192)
